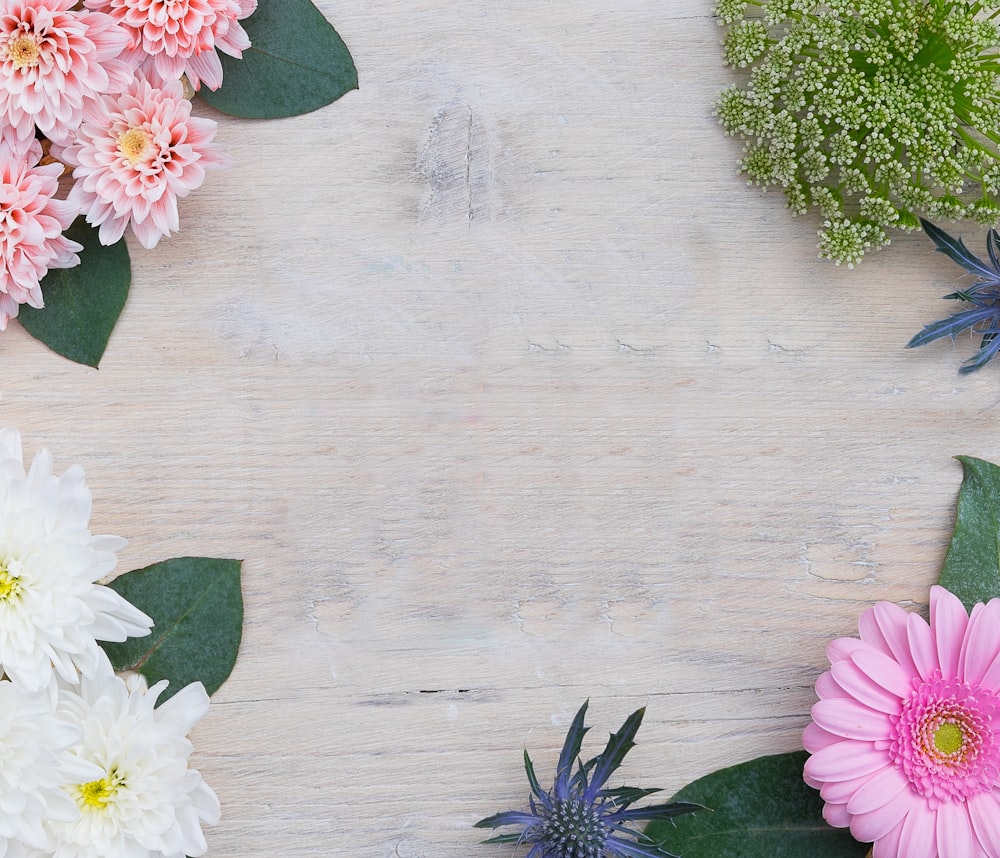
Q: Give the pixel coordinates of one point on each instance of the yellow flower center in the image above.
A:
(10, 580)
(949, 738)
(98, 793)
(23, 51)
(133, 144)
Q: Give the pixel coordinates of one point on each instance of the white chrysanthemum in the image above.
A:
(146, 803)
(52, 611)
(33, 768)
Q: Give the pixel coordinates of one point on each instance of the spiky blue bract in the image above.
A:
(580, 817)
(983, 317)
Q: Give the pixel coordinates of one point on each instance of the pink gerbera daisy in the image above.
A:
(52, 56)
(905, 739)
(170, 38)
(31, 225)
(134, 155)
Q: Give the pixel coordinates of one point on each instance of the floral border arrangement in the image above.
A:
(878, 115)
(97, 96)
(101, 683)
(901, 758)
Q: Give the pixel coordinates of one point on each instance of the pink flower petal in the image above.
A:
(918, 837)
(976, 850)
(836, 815)
(922, 647)
(815, 737)
(987, 626)
(984, 811)
(841, 792)
(883, 670)
(949, 620)
(845, 760)
(853, 680)
(887, 846)
(826, 687)
(852, 720)
(991, 676)
(842, 648)
(981, 644)
(892, 621)
(868, 827)
(869, 631)
(954, 830)
(878, 792)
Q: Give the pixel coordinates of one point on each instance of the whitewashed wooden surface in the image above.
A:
(510, 393)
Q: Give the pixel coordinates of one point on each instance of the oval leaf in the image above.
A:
(83, 303)
(296, 64)
(197, 608)
(760, 809)
(971, 567)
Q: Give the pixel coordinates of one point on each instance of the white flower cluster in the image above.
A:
(89, 766)
(872, 112)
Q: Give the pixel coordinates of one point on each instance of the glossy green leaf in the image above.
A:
(197, 607)
(972, 565)
(759, 809)
(82, 303)
(296, 64)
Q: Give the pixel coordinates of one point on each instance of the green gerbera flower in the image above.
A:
(874, 112)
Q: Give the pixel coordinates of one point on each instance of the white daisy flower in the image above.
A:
(52, 610)
(33, 768)
(147, 802)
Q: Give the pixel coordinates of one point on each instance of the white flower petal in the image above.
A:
(146, 802)
(52, 610)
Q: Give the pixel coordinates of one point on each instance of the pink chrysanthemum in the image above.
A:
(905, 739)
(52, 56)
(31, 225)
(170, 38)
(134, 155)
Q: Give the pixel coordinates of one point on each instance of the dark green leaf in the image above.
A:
(83, 303)
(629, 849)
(296, 64)
(971, 567)
(197, 607)
(760, 809)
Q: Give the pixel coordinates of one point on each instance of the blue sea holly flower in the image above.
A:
(982, 317)
(579, 817)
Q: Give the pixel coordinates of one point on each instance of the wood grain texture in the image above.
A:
(510, 393)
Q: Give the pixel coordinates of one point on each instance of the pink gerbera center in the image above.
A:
(943, 740)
